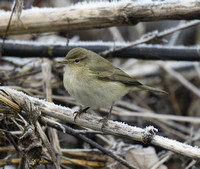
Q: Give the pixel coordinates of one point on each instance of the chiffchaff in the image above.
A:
(94, 82)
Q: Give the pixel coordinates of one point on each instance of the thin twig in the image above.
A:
(19, 76)
(10, 138)
(89, 132)
(47, 145)
(153, 115)
(163, 160)
(153, 35)
(7, 28)
(181, 79)
(92, 143)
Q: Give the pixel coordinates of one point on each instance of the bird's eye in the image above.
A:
(77, 61)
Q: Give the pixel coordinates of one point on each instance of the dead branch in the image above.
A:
(153, 115)
(98, 15)
(94, 144)
(115, 128)
(147, 52)
(154, 35)
(195, 90)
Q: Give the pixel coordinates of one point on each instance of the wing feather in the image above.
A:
(112, 73)
(104, 70)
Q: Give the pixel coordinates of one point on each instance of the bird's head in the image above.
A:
(77, 58)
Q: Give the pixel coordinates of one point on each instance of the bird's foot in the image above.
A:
(78, 113)
(104, 122)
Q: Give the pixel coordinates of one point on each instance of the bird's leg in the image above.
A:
(78, 113)
(105, 120)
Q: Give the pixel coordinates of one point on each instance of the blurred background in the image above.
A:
(181, 79)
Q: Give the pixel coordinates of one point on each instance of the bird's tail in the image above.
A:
(151, 89)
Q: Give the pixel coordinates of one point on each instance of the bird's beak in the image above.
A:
(63, 62)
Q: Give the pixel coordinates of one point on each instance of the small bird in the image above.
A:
(95, 82)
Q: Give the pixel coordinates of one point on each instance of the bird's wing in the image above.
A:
(112, 73)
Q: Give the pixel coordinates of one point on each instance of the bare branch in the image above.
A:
(195, 90)
(154, 35)
(98, 15)
(147, 52)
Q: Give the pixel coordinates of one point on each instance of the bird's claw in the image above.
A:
(104, 122)
(77, 114)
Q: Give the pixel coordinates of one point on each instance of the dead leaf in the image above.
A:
(143, 158)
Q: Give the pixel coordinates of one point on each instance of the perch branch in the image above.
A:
(98, 15)
(115, 128)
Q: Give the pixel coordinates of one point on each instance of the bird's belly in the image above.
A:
(94, 93)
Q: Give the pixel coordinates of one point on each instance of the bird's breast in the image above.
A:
(90, 91)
